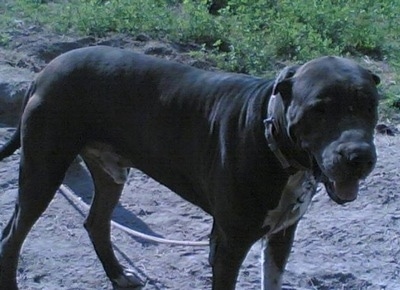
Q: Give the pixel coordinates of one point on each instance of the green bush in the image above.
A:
(101, 17)
(247, 35)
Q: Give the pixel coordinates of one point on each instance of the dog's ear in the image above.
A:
(283, 83)
(375, 78)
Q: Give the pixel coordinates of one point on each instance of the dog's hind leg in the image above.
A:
(45, 157)
(107, 193)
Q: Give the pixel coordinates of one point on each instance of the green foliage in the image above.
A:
(193, 23)
(101, 17)
(298, 30)
(247, 35)
(390, 91)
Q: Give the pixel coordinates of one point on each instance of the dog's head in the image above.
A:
(330, 107)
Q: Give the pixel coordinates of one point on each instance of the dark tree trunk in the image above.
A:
(216, 5)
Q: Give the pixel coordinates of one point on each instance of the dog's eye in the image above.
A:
(320, 109)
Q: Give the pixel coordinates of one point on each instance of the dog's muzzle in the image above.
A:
(345, 166)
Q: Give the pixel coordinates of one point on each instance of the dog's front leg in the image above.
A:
(275, 252)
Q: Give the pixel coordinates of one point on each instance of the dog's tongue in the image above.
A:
(346, 190)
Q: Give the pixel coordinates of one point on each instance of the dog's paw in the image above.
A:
(128, 280)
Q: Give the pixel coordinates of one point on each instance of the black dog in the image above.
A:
(248, 151)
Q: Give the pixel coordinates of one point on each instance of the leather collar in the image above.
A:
(272, 128)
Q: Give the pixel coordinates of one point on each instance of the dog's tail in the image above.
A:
(15, 141)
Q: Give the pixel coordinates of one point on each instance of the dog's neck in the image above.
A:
(279, 140)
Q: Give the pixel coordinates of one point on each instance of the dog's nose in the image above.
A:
(360, 157)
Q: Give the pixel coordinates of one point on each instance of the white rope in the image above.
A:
(69, 194)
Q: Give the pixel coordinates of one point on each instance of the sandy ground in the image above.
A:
(355, 246)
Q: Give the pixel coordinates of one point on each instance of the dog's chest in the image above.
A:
(295, 199)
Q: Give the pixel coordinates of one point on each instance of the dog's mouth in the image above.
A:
(342, 192)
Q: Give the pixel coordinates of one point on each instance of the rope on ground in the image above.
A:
(69, 194)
